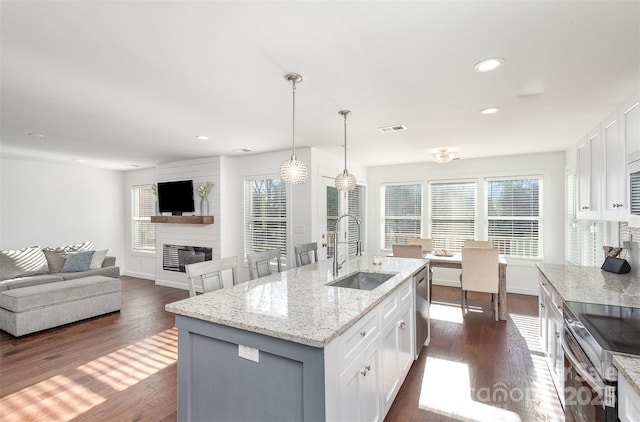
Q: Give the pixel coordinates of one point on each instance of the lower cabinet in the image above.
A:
(551, 333)
(628, 401)
(360, 386)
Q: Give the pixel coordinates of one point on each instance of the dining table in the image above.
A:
(454, 260)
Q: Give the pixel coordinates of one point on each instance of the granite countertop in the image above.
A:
(592, 285)
(297, 305)
(629, 367)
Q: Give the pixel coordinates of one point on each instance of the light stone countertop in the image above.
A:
(592, 285)
(630, 368)
(297, 305)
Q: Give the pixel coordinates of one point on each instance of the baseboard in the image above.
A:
(510, 289)
(174, 284)
(139, 275)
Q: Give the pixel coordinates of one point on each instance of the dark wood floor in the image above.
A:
(121, 367)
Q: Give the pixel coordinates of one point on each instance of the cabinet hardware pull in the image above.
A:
(557, 335)
(365, 370)
(363, 333)
(402, 324)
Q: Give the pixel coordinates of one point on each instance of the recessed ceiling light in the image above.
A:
(133, 166)
(488, 65)
(202, 138)
(490, 110)
(393, 128)
(79, 160)
(242, 150)
(35, 135)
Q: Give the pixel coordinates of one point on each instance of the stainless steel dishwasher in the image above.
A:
(423, 300)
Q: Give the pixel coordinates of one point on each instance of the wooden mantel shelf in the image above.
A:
(182, 219)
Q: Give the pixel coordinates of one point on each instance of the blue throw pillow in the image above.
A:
(77, 261)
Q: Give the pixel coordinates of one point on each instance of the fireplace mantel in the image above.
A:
(182, 219)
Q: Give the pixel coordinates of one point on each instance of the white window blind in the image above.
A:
(571, 224)
(453, 214)
(402, 216)
(143, 231)
(265, 215)
(356, 202)
(333, 212)
(514, 217)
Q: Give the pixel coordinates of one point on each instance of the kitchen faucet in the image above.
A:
(336, 256)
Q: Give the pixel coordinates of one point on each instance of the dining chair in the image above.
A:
(478, 244)
(260, 263)
(304, 252)
(407, 251)
(201, 274)
(427, 244)
(479, 274)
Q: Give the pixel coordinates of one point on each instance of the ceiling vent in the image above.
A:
(394, 128)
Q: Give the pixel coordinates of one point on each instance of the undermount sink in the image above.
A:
(362, 280)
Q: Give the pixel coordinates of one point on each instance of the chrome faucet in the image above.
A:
(336, 256)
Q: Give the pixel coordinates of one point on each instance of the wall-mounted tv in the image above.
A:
(176, 197)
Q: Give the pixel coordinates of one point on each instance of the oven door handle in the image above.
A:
(595, 383)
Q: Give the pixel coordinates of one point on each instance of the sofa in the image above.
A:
(45, 287)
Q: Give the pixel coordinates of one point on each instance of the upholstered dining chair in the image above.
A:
(306, 253)
(407, 251)
(201, 274)
(478, 244)
(479, 274)
(260, 263)
(427, 244)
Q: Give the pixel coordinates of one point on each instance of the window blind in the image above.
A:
(143, 231)
(513, 213)
(402, 213)
(356, 207)
(453, 214)
(333, 212)
(265, 215)
(571, 224)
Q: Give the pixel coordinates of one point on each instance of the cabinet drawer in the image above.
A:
(356, 337)
(405, 292)
(389, 308)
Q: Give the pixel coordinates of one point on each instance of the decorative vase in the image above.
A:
(204, 206)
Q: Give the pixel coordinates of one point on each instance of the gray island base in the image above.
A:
(290, 347)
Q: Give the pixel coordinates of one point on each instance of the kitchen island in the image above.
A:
(292, 347)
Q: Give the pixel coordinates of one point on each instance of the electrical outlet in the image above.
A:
(248, 353)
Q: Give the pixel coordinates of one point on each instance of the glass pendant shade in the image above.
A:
(345, 181)
(293, 171)
(443, 156)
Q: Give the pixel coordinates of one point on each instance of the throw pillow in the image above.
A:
(79, 247)
(22, 262)
(55, 259)
(77, 261)
(98, 259)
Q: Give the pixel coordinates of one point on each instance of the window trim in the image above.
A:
(476, 181)
(383, 215)
(135, 218)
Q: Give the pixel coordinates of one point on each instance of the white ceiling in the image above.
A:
(121, 83)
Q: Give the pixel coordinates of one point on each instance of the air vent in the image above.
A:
(394, 128)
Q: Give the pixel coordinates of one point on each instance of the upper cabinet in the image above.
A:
(630, 127)
(614, 174)
(588, 173)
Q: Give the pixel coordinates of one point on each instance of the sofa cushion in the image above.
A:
(111, 271)
(20, 300)
(55, 258)
(98, 259)
(22, 262)
(33, 280)
(77, 261)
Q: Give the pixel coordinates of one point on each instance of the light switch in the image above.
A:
(249, 353)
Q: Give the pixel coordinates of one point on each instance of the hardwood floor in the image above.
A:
(121, 366)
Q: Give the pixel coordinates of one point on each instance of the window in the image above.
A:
(514, 216)
(143, 206)
(453, 214)
(356, 202)
(402, 217)
(571, 224)
(265, 215)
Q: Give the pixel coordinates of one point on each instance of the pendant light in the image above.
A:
(345, 181)
(293, 171)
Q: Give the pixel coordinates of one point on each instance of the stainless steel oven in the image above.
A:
(592, 334)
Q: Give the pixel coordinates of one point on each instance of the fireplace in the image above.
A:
(175, 257)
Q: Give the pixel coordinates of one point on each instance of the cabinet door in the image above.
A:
(630, 127)
(614, 172)
(350, 381)
(405, 340)
(589, 167)
(369, 391)
(583, 176)
(390, 363)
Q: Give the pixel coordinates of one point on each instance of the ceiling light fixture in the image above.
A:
(488, 65)
(202, 138)
(490, 110)
(293, 171)
(35, 135)
(443, 156)
(345, 181)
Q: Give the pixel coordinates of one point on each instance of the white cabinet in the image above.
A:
(360, 386)
(628, 401)
(630, 126)
(588, 174)
(614, 171)
(397, 354)
(551, 332)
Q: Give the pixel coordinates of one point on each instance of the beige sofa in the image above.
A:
(42, 288)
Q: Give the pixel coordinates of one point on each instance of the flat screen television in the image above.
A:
(176, 197)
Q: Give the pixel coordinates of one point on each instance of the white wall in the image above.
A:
(521, 274)
(51, 204)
